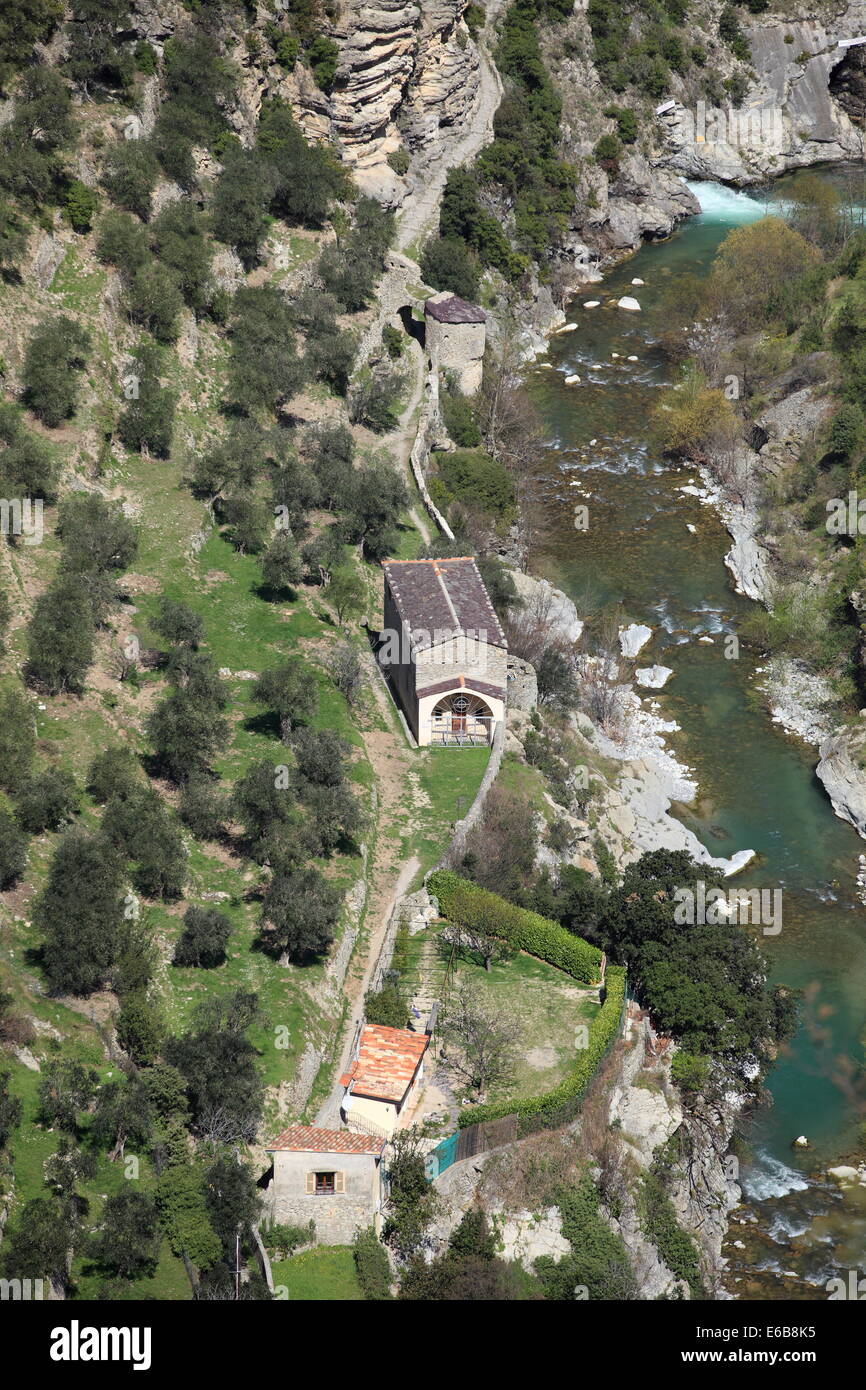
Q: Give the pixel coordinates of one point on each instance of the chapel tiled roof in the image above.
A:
(309, 1139)
(443, 596)
(386, 1062)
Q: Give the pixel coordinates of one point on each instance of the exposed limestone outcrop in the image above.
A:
(843, 775)
(799, 110)
(415, 61)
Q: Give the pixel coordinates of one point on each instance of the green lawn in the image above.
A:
(325, 1274)
(448, 779)
(548, 1006)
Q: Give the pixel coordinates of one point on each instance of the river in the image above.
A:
(757, 785)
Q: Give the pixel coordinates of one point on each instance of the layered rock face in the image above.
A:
(414, 62)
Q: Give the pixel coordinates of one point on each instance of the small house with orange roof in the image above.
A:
(383, 1079)
(444, 651)
(330, 1176)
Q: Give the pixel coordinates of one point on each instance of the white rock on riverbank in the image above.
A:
(550, 605)
(653, 677)
(633, 638)
(844, 779)
(799, 699)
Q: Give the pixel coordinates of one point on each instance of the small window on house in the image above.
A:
(325, 1184)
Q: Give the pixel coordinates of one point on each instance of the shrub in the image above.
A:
(477, 480)
(145, 58)
(459, 418)
(393, 340)
(239, 214)
(147, 423)
(307, 177)
(371, 1265)
(114, 772)
(13, 849)
(626, 123)
(676, 1248)
(80, 913)
(376, 401)
(154, 301)
(387, 1006)
(323, 55)
(399, 161)
(287, 50)
(690, 1071)
(205, 935)
(140, 1029)
(47, 801)
(608, 152)
(469, 906)
(265, 369)
(60, 637)
(80, 204)
(180, 242)
(130, 176)
(53, 361)
(97, 535)
(278, 1235)
(17, 738)
(447, 263)
(122, 242)
(202, 809)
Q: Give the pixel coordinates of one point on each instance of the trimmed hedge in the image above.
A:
(467, 905)
(554, 1108)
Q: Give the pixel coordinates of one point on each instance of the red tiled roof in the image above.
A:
(386, 1063)
(308, 1139)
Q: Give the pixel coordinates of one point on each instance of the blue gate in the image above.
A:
(442, 1156)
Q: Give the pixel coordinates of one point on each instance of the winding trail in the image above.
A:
(389, 755)
(420, 209)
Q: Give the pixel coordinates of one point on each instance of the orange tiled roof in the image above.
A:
(386, 1063)
(308, 1139)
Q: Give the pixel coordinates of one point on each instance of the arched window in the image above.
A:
(462, 718)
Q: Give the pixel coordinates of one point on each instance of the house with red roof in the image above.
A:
(383, 1079)
(330, 1176)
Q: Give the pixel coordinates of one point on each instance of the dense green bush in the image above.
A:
(598, 1262)
(55, 357)
(459, 418)
(477, 480)
(130, 175)
(81, 203)
(147, 422)
(60, 636)
(204, 938)
(448, 264)
(323, 55)
(47, 801)
(372, 1265)
(469, 906)
(659, 1222)
(13, 849)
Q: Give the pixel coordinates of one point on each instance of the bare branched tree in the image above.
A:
(479, 1040)
(512, 425)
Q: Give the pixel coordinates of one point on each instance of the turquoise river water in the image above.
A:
(757, 785)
